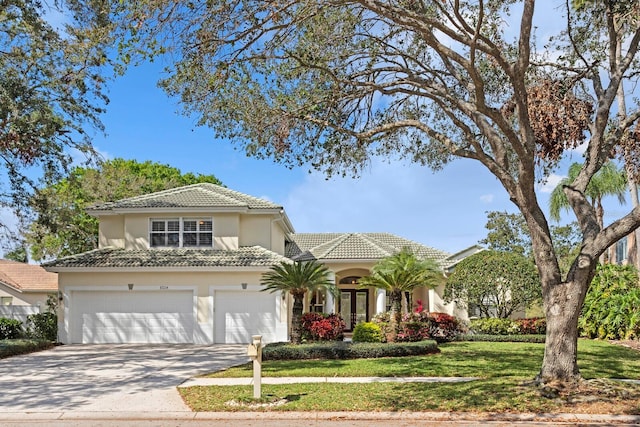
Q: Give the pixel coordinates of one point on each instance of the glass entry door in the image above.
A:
(354, 307)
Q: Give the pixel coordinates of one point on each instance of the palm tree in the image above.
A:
(298, 278)
(608, 181)
(399, 273)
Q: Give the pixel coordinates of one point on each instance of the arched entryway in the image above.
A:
(353, 305)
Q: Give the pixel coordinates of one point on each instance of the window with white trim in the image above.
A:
(181, 232)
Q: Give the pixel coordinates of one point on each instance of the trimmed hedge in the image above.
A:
(502, 338)
(497, 326)
(10, 348)
(346, 350)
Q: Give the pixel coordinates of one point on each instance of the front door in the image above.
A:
(354, 307)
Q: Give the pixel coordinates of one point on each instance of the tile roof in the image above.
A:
(251, 256)
(191, 196)
(27, 277)
(346, 246)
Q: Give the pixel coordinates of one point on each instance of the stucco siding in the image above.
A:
(136, 229)
(255, 230)
(24, 298)
(226, 229)
(111, 231)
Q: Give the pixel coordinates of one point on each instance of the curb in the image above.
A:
(194, 382)
(327, 416)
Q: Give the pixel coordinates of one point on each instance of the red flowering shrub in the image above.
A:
(444, 327)
(423, 325)
(322, 327)
(532, 326)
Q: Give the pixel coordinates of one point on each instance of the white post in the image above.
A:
(381, 300)
(254, 350)
(329, 302)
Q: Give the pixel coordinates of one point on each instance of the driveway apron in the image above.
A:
(105, 378)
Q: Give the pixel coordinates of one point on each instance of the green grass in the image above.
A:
(502, 367)
(15, 347)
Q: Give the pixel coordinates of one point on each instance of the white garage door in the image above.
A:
(238, 315)
(132, 317)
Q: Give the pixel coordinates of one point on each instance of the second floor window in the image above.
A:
(181, 232)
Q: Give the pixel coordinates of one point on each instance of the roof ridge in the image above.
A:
(390, 250)
(187, 195)
(331, 244)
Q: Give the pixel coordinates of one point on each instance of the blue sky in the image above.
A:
(445, 209)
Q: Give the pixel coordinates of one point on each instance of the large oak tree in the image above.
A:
(333, 83)
(52, 87)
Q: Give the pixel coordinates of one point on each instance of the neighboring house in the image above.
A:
(24, 289)
(184, 266)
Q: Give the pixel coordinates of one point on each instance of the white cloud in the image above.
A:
(550, 183)
(487, 198)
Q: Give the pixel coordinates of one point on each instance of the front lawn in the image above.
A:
(502, 367)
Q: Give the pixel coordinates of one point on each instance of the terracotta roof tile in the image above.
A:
(27, 277)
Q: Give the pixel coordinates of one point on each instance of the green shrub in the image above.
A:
(10, 329)
(367, 332)
(610, 309)
(43, 326)
(494, 326)
(10, 348)
(345, 350)
(501, 338)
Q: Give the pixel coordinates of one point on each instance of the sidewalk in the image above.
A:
(192, 382)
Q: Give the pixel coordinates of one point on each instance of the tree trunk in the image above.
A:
(632, 239)
(296, 319)
(562, 309)
(395, 316)
(563, 304)
(562, 299)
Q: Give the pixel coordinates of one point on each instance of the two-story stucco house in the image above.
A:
(184, 266)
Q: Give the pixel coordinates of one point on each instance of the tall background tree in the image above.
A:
(331, 84)
(60, 225)
(508, 232)
(52, 88)
(499, 284)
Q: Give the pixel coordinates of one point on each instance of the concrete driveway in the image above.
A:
(105, 378)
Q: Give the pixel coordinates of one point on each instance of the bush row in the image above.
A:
(346, 350)
(40, 326)
(10, 348)
(495, 326)
(421, 325)
(501, 338)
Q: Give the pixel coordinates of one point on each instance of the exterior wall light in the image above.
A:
(244, 285)
(130, 285)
